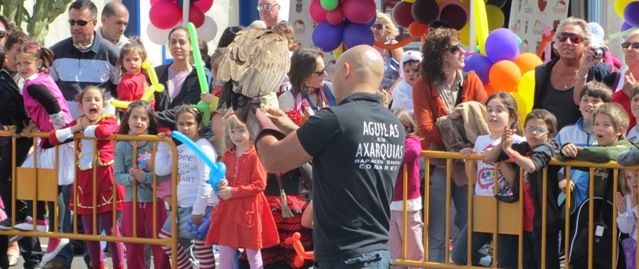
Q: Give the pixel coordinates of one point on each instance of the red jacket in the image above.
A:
(428, 105)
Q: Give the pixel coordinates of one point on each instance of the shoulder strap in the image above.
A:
(461, 88)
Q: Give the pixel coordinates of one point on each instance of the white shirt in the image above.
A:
(403, 96)
(633, 135)
(627, 221)
(485, 176)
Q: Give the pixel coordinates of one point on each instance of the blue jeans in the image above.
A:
(374, 259)
(506, 253)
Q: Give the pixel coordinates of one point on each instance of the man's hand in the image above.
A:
(281, 120)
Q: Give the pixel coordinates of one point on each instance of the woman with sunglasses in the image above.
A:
(556, 80)
(622, 82)
(442, 86)
(385, 31)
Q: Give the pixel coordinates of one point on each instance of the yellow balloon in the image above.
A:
(338, 51)
(481, 25)
(119, 104)
(495, 16)
(620, 5)
(464, 34)
(525, 95)
(409, 1)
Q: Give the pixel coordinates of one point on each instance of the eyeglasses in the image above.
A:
(378, 26)
(454, 48)
(321, 72)
(574, 38)
(266, 7)
(634, 45)
(536, 130)
(78, 22)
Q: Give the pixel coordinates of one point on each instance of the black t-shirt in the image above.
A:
(357, 149)
(560, 104)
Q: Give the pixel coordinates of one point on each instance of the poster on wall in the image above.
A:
(531, 19)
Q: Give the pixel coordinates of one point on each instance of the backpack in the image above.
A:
(602, 240)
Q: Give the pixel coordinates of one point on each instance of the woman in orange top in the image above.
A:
(243, 217)
(443, 85)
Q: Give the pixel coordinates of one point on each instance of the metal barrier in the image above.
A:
(41, 185)
(492, 220)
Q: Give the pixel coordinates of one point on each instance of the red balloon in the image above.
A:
(402, 13)
(454, 14)
(196, 16)
(417, 29)
(165, 14)
(425, 11)
(317, 12)
(358, 11)
(335, 16)
(204, 5)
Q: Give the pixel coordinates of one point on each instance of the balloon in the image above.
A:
(504, 75)
(165, 15)
(199, 231)
(329, 4)
(317, 12)
(464, 34)
(300, 253)
(498, 3)
(620, 6)
(481, 24)
(371, 21)
(208, 30)
(196, 16)
(204, 5)
(625, 26)
(335, 16)
(524, 96)
(417, 29)
(402, 13)
(327, 37)
(454, 13)
(409, 1)
(480, 64)
(495, 16)
(425, 11)
(357, 34)
(148, 94)
(338, 51)
(218, 170)
(157, 36)
(631, 14)
(359, 11)
(527, 62)
(201, 76)
(489, 89)
(502, 44)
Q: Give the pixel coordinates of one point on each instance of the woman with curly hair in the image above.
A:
(442, 86)
(385, 31)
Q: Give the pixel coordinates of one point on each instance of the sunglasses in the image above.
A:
(78, 22)
(266, 7)
(321, 72)
(454, 48)
(574, 38)
(625, 45)
(536, 130)
(378, 26)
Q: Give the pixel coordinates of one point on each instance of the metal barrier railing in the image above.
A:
(41, 185)
(487, 214)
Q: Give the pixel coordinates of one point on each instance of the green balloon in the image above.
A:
(329, 4)
(199, 68)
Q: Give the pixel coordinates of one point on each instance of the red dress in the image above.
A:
(106, 126)
(245, 220)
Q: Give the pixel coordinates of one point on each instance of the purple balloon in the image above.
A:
(631, 14)
(372, 21)
(480, 64)
(328, 37)
(625, 26)
(502, 44)
(357, 34)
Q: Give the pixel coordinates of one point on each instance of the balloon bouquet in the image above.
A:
(628, 10)
(342, 23)
(166, 14)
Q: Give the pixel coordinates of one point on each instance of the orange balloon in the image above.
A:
(504, 75)
(489, 89)
(527, 62)
(416, 29)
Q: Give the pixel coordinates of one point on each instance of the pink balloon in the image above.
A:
(196, 16)
(317, 12)
(204, 5)
(335, 16)
(358, 11)
(165, 14)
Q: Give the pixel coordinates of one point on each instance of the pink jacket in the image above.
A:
(412, 151)
(36, 111)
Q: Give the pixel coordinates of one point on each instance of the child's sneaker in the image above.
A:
(6, 224)
(41, 225)
(55, 245)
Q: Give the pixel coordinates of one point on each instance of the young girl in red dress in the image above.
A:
(243, 218)
(94, 124)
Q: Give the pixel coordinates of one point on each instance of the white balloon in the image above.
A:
(208, 30)
(156, 35)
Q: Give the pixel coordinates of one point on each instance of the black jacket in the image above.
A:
(189, 94)
(12, 110)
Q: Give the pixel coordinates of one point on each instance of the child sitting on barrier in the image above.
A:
(532, 155)
(610, 126)
(627, 215)
(96, 126)
(194, 194)
(136, 172)
(501, 115)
